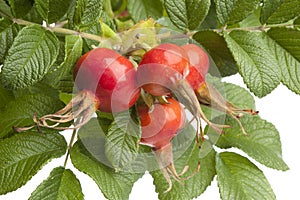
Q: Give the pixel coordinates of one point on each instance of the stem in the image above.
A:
(70, 146)
(60, 30)
(253, 28)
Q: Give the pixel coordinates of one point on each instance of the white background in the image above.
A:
(281, 107)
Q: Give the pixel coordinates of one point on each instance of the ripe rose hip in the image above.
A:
(110, 76)
(199, 64)
(161, 67)
(160, 124)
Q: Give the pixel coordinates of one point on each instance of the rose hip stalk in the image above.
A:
(163, 70)
(206, 93)
(159, 126)
(106, 81)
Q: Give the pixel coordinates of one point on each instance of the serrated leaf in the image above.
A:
(8, 31)
(143, 9)
(61, 184)
(114, 186)
(122, 139)
(286, 45)
(262, 143)
(38, 88)
(188, 14)
(256, 61)
(34, 16)
(238, 178)
(62, 77)
(5, 97)
(33, 52)
(23, 155)
(20, 112)
(279, 11)
(210, 21)
(297, 21)
(87, 13)
(20, 7)
(50, 11)
(196, 185)
(218, 50)
(5, 9)
(233, 11)
(85, 16)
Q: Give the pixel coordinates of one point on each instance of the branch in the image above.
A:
(58, 29)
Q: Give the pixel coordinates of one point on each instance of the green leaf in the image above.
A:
(286, 45)
(233, 11)
(62, 77)
(33, 52)
(61, 184)
(219, 52)
(188, 14)
(85, 16)
(122, 139)
(8, 31)
(34, 16)
(87, 13)
(143, 9)
(279, 11)
(114, 186)
(5, 97)
(105, 120)
(194, 186)
(297, 21)
(36, 89)
(210, 21)
(20, 112)
(20, 7)
(238, 178)
(23, 155)
(256, 61)
(262, 143)
(5, 9)
(50, 11)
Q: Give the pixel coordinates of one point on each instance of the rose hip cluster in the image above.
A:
(167, 78)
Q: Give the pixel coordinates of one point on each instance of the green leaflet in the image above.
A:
(5, 97)
(233, 11)
(122, 139)
(50, 11)
(188, 14)
(285, 43)
(20, 8)
(219, 52)
(263, 143)
(114, 186)
(257, 63)
(62, 77)
(238, 178)
(279, 11)
(143, 9)
(23, 155)
(5, 9)
(20, 112)
(61, 184)
(8, 31)
(29, 58)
